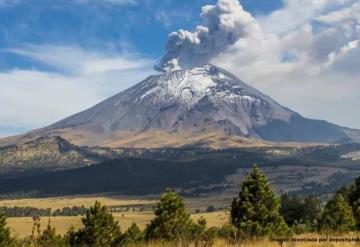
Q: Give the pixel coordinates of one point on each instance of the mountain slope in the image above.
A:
(317, 169)
(201, 106)
(44, 154)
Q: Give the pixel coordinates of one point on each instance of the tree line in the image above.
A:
(17, 211)
(33, 212)
(255, 213)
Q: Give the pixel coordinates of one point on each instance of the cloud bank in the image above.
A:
(77, 80)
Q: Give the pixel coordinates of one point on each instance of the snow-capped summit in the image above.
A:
(183, 101)
(198, 105)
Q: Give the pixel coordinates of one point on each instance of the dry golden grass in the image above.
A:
(212, 138)
(213, 218)
(54, 203)
(60, 202)
(260, 243)
(21, 226)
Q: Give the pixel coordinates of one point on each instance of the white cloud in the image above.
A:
(334, 57)
(311, 67)
(76, 60)
(346, 14)
(32, 99)
(295, 13)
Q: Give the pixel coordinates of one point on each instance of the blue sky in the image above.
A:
(99, 24)
(61, 56)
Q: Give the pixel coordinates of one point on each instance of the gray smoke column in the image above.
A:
(224, 24)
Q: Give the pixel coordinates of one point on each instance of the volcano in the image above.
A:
(204, 105)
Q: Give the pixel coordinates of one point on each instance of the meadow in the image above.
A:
(22, 226)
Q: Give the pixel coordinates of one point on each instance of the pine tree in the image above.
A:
(171, 220)
(132, 235)
(291, 209)
(352, 195)
(337, 216)
(49, 237)
(356, 213)
(100, 229)
(301, 213)
(255, 213)
(5, 239)
(353, 191)
(312, 209)
(197, 231)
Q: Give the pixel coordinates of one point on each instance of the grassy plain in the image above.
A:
(21, 226)
(265, 243)
(69, 201)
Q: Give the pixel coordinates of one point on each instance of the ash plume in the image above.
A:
(224, 24)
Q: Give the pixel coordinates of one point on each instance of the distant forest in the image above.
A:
(193, 171)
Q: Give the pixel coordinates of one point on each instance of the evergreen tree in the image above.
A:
(133, 235)
(291, 209)
(300, 211)
(201, 235)
(35, 229)
(312, 209)
(171, 220)
(198, 230)
(353, 191)
(255, 212)
(100, 229)
(337, 216)
(356, 213)
(49, 237)
(5, 239)
(72, 237)
(352, 195)
(346, 192)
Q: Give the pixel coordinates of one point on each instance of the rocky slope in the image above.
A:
(45, 153)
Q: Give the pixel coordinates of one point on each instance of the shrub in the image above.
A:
(209, 236)
(229, 232)
(197, 231)
(210, 209)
